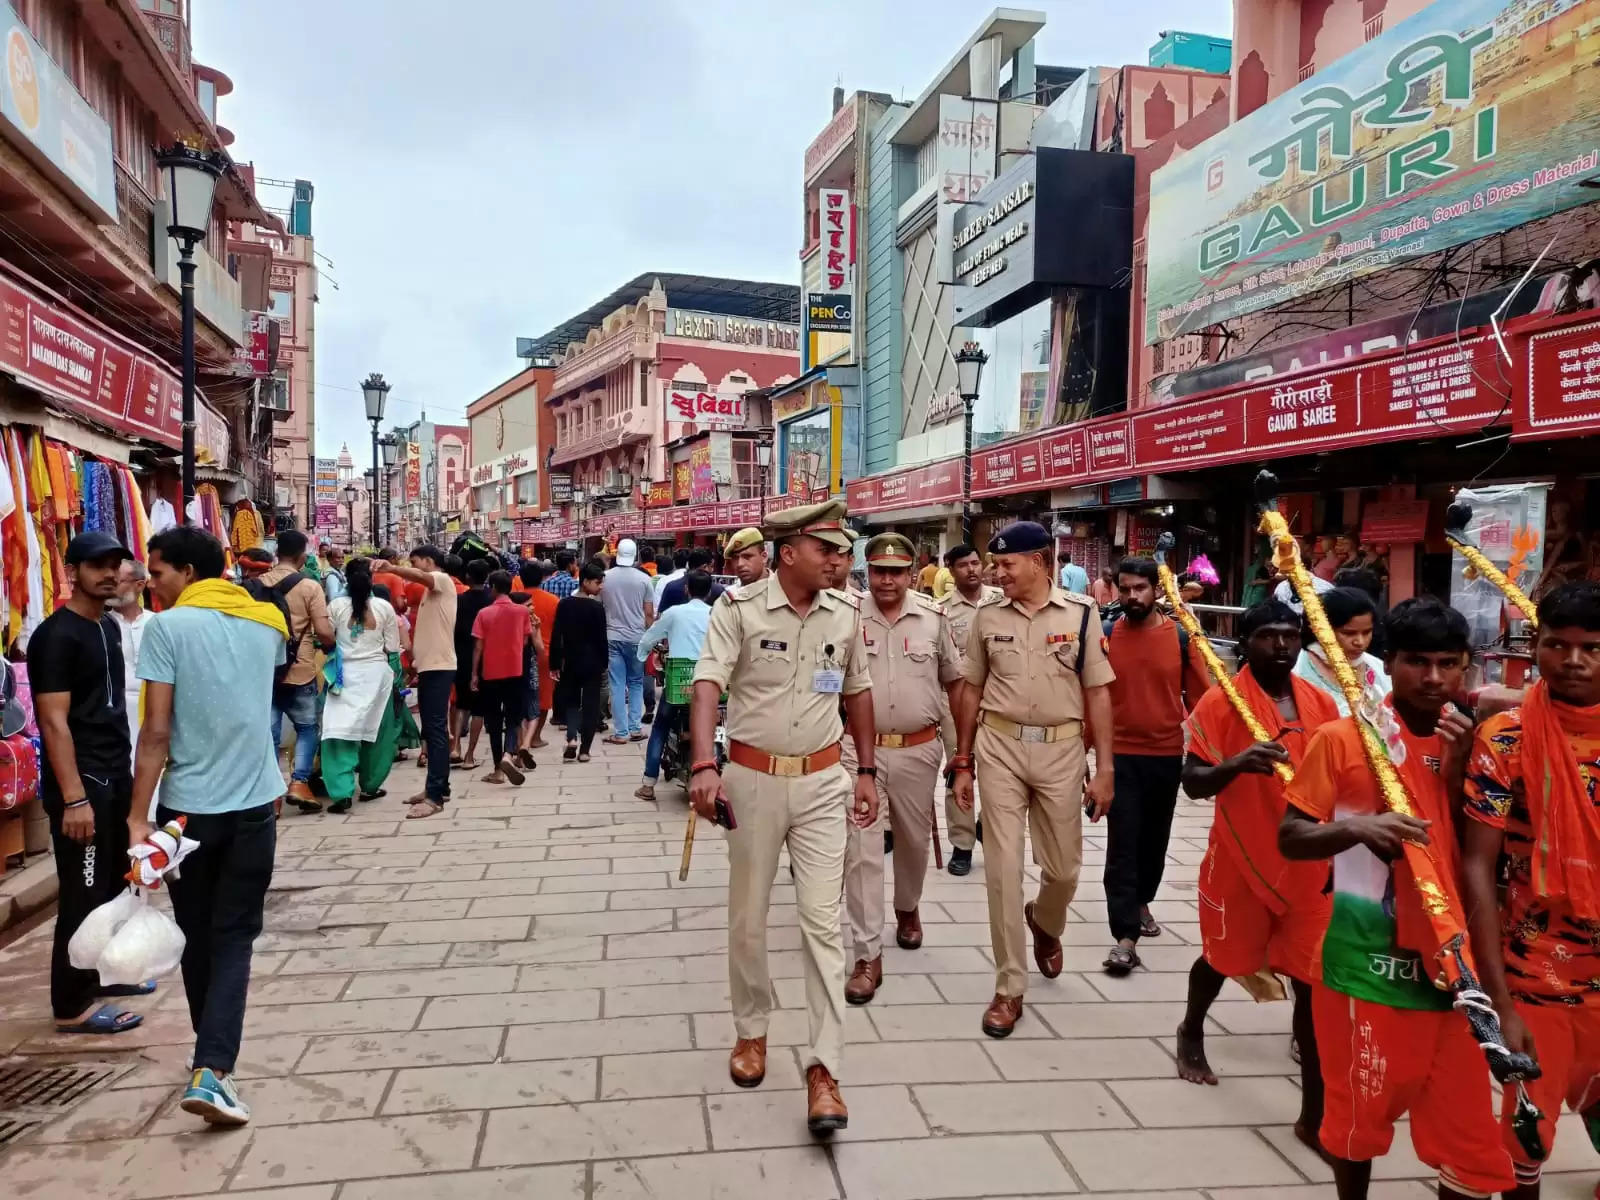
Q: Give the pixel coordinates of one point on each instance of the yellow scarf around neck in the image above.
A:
(232, 600)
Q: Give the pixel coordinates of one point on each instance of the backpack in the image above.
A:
(277, 595)
(19, 772)
(1183, 657)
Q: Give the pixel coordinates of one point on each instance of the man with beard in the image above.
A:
(1035, 667)
(1530, 792)
(1388, 1041)
(86, 778)
(1258, 911)
(913, 663)
(1159, 677)
(960, 607)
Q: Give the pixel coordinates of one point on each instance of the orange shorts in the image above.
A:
(1240, 935)
(1379, 1063)
(1566, 1039)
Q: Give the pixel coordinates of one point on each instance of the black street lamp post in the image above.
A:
(189, 177)
(390, 445)
(969, 371)
(375, 392)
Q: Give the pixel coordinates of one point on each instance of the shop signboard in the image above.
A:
(964, 157)
(325, 493)
(561, 487)
(1393, 522)
(659, 495)
(828, 312)
(1434, 389)
(825, 148)
(254, 354)
(702, 485)
(713, 408)
(413, 476)
(1464, 120)
(682, 481)
(932, 483)
(1561, 396)
(734, 331)
(837, 220)
(40, 104)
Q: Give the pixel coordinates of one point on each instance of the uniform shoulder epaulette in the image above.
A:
(848, 597)
(1080, 597)
(745, 591)
(996, 598)
(928, 603)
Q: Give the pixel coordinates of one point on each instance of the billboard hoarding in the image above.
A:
(1469, 118)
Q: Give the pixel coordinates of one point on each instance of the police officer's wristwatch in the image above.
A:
(872, 771)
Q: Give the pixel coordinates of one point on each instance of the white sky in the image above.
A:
(488, 168)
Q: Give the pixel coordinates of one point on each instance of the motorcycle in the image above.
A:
(677, 751)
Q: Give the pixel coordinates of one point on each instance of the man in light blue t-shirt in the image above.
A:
(207, 663)
(1073, 577)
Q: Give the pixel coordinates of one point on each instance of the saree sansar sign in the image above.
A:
(1471, 117)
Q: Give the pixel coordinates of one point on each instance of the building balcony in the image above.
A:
(603, 356)
(136, 213)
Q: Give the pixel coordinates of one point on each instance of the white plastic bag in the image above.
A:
(95, 933)
(148, 946)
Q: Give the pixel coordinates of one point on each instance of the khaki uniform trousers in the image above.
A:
(906, 780)
(962, 825)
(807, 814)
(1032, 787)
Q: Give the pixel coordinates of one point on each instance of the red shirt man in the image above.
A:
(499, 633)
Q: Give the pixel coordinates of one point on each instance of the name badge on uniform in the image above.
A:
(827, 679)
(1000, 637)
(773, 644)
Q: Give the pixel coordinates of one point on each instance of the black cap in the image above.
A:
(96, 543)
(1020, 537)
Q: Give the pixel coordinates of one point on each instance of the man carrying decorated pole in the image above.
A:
(1258, 910)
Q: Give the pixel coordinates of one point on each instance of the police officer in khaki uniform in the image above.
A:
(912, 662)
(960, 607)
(787, 649)
(1036, 660)
(745, 555)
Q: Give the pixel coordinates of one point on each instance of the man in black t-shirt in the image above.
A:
(76, 672)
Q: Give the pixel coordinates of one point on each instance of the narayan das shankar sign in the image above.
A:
(1469, 118)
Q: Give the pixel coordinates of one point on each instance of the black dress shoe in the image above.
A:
(978, 828)
(960, 861)
(888, 841)
(648, 717)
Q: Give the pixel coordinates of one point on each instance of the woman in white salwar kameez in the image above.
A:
(360, 692)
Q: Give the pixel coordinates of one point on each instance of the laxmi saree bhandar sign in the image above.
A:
(1471, 117)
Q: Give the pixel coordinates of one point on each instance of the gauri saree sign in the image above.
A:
(1471, 117)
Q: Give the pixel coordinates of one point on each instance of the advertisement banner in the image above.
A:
(325, 492)
(932, 483)
(1562, 395)
(42, 105)
(413, 481)
(682, 484)
(253, 354)
(713, 408)
(1469, 118)
(828, 312)
(560, 487)
(702, 485)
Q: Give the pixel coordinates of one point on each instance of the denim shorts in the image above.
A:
(298, 702)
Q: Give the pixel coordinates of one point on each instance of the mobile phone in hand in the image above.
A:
(724, 815)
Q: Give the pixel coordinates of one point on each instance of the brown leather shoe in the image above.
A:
(825, 1111)
(1046, 949)
(908, 930)
(864, 980)
(1002, 1015)
(299, 795)
(747, 1065)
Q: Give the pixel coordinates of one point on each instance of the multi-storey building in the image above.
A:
(510, 430)
(659, 404)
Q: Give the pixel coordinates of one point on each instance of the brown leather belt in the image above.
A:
(1033, 733)
(904, 741)
(784, 765)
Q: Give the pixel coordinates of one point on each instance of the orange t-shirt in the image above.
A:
(1147, 695)
(543, 604)
(1250, 809)
(1550, 951)
(399, 591)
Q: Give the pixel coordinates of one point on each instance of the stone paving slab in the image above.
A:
(519, 998)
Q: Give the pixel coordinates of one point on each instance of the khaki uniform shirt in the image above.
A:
(1027, 666)
(960, 612)
(910, 661)
(767, 656)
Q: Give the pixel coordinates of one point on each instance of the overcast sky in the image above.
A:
(487, 168)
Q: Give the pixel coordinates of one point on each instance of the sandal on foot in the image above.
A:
(423, 808)
(377, 795)
(525, 758)
(108, 1018)
(645, 791)
(1121, 961)
(128, 989)
(1148, 927)
(509, 768)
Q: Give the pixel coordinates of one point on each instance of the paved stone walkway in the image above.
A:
(519, 999)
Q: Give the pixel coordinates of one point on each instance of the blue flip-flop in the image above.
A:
(128, 989)
(108, 1018)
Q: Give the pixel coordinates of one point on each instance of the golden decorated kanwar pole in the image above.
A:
(1443, 912)
(1456, 519)
(1185, 617)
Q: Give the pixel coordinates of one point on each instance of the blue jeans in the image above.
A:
(298, 702)
(627, 688)
(667, 716)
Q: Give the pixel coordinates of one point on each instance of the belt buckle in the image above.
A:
(891, 741)
(1035, 733)
(788, 766)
